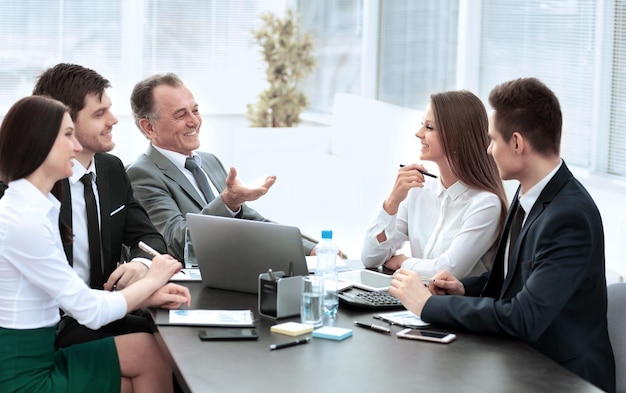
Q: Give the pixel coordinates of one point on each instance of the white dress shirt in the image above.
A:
(452, 229)
(35, 278)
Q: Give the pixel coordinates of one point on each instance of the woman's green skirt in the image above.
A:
(29, 363)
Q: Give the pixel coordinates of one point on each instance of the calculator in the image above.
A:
(369, 299)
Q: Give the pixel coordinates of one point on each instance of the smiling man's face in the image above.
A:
(178, 125)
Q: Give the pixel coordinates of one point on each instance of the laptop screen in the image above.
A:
(233, 252)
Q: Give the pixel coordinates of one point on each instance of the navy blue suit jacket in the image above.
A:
(554, 296)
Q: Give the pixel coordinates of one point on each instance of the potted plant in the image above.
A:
(288, 54)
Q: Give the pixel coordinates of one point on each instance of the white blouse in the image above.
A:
(452, 229)
(35, 277)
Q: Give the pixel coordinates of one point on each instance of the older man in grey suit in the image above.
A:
(172, 179)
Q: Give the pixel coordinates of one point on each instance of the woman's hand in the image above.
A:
(163, 267)
(169, 296)
(408, 177)
(395, 262)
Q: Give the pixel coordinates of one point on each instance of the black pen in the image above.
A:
(422, 172)
(290, 344)
(376, 328)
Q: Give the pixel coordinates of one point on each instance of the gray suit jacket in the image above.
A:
(167, 195)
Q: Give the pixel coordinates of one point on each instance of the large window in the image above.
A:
(418, 44)
(337, 29)
(398, 51)
(552, 40)
(209, 45)
(38, 34)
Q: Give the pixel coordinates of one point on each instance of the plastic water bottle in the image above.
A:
(326, 252)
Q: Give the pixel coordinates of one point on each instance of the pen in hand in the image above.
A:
(422, 172)
(376, 328)
(152, 251)
(148, 249)
(290, 344)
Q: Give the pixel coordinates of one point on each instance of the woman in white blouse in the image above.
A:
(37, 145)
(451, 222)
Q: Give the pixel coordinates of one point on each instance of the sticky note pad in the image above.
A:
(332, 333)
(291, 328)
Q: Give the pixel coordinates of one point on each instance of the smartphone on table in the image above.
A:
(227, 333)
(427, 335)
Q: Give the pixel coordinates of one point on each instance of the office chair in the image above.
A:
(616, 316)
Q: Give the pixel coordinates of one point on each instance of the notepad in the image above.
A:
(187, 275)
(332, 333)
(292, 328)
(234, 318)
(402, 318)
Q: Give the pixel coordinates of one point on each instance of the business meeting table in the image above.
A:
(366, 362)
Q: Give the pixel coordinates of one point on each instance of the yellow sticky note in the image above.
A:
(292, 328)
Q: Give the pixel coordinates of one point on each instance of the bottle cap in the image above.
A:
(326, 234)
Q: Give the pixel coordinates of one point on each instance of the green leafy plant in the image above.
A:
(288, 54)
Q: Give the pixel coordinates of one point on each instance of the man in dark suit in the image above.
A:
(548, 285)
(122, 220)
(167, 114)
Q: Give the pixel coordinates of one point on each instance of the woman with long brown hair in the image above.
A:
(451, 222)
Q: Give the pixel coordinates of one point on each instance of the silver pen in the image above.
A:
(148, 249)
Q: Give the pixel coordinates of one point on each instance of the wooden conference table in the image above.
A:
(366, 362)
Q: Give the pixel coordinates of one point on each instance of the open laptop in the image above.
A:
(232, 252)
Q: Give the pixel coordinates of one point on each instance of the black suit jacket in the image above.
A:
(122, 219)
(554, 296)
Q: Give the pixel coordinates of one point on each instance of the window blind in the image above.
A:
(418, 44)
(37, 34)
(337, 30)
(552, 40)
(209, 45)
(617, 125)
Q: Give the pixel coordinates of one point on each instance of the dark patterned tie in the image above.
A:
(96, 278)
(203, 183)
(516, 226)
